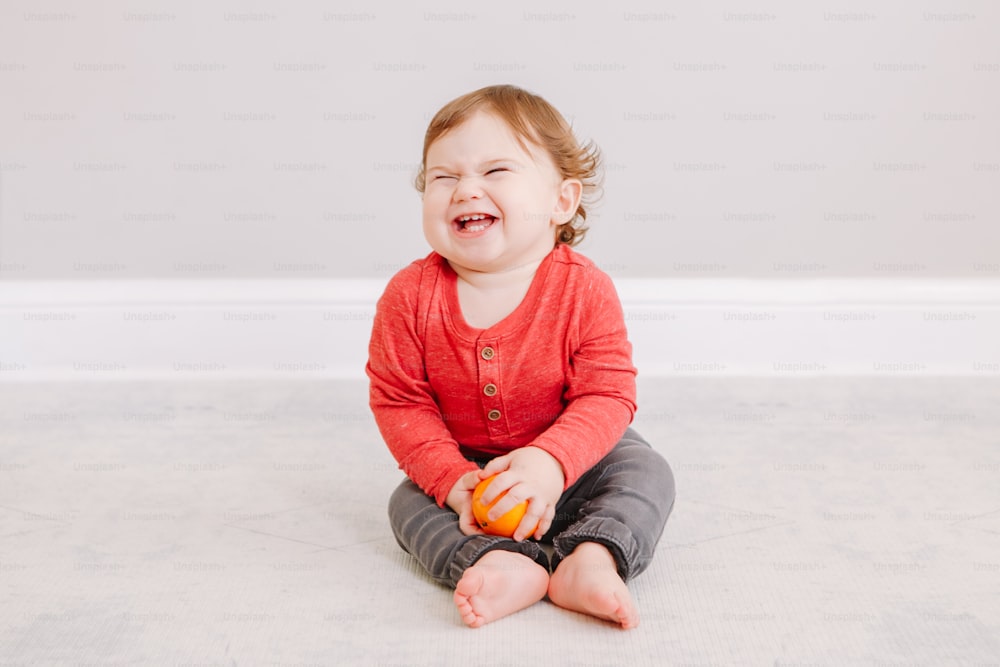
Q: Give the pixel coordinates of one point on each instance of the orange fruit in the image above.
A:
(505, 525)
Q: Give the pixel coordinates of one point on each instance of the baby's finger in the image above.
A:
(470, 480)
(504, 481)
(467, 523)
(514, 496)
(495, 466)
(530, 522)
(546, 522)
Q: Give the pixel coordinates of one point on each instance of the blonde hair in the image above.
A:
(533, 119)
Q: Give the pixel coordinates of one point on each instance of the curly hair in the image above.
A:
(533, 119)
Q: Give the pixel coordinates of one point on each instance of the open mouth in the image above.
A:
(474, 222)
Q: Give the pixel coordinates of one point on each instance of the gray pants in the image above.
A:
(623, 502)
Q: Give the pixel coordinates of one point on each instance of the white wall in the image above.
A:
(220, 189)
(203, 140)
(213, 329)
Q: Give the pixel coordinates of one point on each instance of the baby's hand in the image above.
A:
(527, 474)
(460, 500)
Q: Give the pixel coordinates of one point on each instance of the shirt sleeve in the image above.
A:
(600, 392)
(401, 398)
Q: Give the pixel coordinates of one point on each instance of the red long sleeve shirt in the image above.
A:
(556, 373)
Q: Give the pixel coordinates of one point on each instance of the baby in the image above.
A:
(504, 352)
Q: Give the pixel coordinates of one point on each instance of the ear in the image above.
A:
(570, 191)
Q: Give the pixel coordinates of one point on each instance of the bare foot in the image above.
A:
(587, 581)
(498, 584)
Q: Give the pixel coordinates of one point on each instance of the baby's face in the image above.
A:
(489, 205)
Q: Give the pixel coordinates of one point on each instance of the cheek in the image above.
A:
(431, 229)
(433, 211)
(433, 201)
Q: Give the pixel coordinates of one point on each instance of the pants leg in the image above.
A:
(431, 534)
(623, 502)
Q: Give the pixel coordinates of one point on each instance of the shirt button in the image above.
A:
(490, 389)
(493, 415)
(487, 353)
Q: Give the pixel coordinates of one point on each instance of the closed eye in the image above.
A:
(497, 169)
(440, 176)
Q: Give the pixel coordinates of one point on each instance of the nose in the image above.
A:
(467, 188)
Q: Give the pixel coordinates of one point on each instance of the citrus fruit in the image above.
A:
(505, 525)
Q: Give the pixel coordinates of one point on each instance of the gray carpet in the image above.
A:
(818, 522)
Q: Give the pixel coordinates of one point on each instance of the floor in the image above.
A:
(818, 522)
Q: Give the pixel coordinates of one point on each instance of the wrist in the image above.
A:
(460, 490)
(557, 466)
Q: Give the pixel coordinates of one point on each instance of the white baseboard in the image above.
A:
(107, 330)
